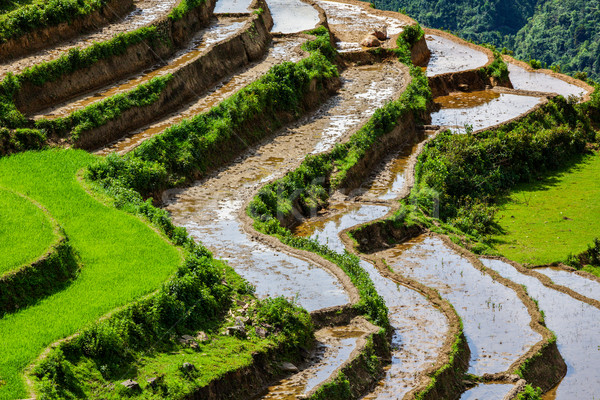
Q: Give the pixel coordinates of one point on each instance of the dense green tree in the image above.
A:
(556, 32)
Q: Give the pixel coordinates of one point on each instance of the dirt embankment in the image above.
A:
(469, 80)
(174, 35)
(47, 36)
(217, 61)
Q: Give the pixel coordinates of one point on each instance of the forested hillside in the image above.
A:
(556, 32)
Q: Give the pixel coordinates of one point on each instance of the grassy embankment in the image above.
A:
(119, 346)
(546, 220)
(26, 231)
(21, 17)
(19, 134)
(122, 257)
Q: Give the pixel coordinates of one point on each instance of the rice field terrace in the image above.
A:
(288, 199)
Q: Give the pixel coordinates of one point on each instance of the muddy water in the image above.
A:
(576, 326)
(232, 6)
(334, 347)
(480, 109)
(209, 209)
(219, 30)
(291, 16)
(419, 328)
(144, 13)
(487, 392)
(496, 322)
(287, 49)
(540, 82)
(450, 56)
(579, 284)
(351, 23)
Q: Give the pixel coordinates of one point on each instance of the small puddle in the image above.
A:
(481, 109)
(450, 56)
(334, 347)
(291, 16)
(351, 23)
(492, 391)
(221, 29)
(496, 322)
(587, 287)
(576, 326)
(209, 209)
(540, 82)
(281, 50)
(232, 6)
(419, 328)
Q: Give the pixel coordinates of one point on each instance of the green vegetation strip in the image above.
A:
(41, 14)
(546, 220)
(26, 231)
(187, 150)
(465, 175)
(122, 257)
(320, 174)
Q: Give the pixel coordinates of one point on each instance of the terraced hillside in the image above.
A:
(238, 199)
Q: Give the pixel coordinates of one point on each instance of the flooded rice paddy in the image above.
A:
(220, 29)
(496, 322)
(210, 209)
(480, 109)
(284, 49)
(450, 56)
(291, 16)
(487, 392)
(540, 82)
(575, 324)
(585, 286)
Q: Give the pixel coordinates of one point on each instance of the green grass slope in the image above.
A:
(122, 259)
(546, 220)
(25, 230)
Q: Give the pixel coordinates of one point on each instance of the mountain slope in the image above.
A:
(563, 32)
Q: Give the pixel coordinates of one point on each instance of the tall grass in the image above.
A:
(122, 259)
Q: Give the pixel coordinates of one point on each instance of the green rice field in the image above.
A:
(547, 220)
(122, 259)
(25, 230)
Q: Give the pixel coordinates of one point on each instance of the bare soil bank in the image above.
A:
(45, 37)
(31, 97)
(219, 60)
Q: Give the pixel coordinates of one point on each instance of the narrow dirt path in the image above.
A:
(145, 12)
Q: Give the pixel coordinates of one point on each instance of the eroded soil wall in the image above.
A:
(174, 34)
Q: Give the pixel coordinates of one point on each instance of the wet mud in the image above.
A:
(351, 22)
(333, 348)
(209, 209)
(575, 325)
